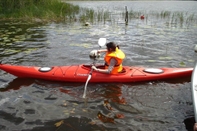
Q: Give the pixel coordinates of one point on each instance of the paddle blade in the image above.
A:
(102, 42)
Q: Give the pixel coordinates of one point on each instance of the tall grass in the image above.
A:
(94, 16)
(43, 9)
(172, 18)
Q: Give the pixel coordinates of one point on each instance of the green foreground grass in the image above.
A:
(44, 10)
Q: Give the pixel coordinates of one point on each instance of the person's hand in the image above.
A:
(195, 127)
(94, 68)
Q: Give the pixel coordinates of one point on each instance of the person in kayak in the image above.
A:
(113, 59)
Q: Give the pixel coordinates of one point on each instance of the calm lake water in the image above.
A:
(31, 104)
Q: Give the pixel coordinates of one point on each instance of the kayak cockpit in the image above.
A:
(146, 70)
(101, 66)
(88, 66)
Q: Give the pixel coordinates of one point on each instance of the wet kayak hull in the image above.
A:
(79, 73)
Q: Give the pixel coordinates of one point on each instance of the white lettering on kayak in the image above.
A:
(81, 74)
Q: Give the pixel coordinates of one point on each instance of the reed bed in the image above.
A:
(55, 10)
(47, 10)
(177, 18)
(93, 16)
(169, 18)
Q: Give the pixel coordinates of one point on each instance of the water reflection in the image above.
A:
(15, 84)
(118, 103)
(40, 87)
(20, 40)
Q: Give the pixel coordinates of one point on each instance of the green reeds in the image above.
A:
(43, 9)
(49, 10)
(133, 14)
(165, 14)
(94, 16)
(172, 18)
(55, 10)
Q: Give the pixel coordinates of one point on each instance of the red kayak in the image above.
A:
(79, 73)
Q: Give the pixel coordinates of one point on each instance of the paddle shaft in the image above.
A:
(101, 42)
(85, 88)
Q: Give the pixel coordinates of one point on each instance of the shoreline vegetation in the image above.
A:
(60, 11)
(37, 10)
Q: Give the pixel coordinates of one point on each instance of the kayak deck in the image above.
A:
(79, 73)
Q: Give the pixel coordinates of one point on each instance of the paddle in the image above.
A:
(101, 42)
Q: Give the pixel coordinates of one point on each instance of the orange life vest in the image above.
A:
(119, 56)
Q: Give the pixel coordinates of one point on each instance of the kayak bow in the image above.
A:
(79, 73)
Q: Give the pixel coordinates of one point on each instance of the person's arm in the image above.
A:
(102, 50)
(110, 68)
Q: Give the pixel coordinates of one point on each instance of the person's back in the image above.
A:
(113, 59)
